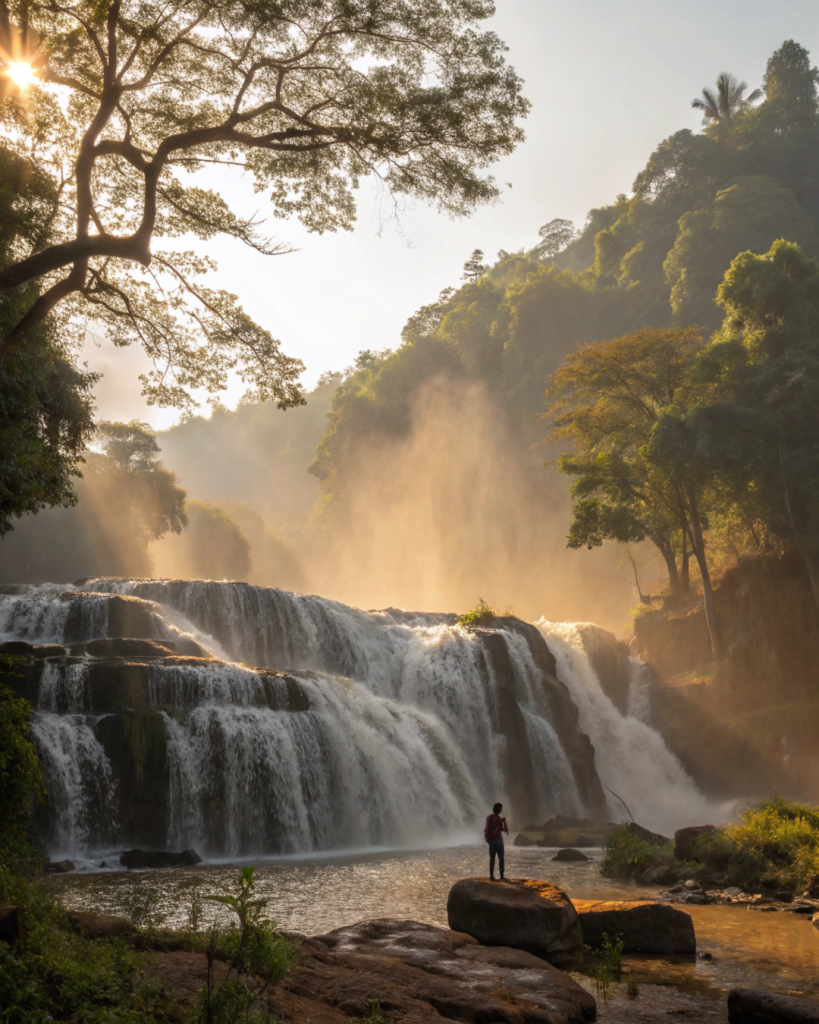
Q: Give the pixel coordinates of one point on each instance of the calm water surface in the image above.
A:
(312, 896)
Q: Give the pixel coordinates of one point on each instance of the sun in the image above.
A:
(21, 74)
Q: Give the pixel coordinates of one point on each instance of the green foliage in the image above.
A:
(481, 615)
(45, 401)
(632, 988)
(53, 973)
(126, 499)
(775, 844)
(629, 856)
(419, 95)
(21, 781)
(256, 955)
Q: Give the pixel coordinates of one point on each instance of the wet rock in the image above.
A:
(138, 859)
(758, 1006)
(10, 927)
(815, 920)
(59, 867)
(686, 839)
(25, 650)
(645, 925)
(691, 886)
(100, 926)
(522, 913)
(569, 855)
(425, 973)
(661, 874)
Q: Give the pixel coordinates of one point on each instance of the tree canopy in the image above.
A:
(307, 99)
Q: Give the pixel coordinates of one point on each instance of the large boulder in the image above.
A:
(138, 859)
(686, 839)
(644, 925)
(522, 913)
(570, 856)
(757, 1006)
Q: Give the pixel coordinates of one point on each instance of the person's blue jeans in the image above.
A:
(495, 850)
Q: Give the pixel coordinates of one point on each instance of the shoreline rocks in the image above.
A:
(644, 925)
(525, 914)
(141, 859)
(758, 1006)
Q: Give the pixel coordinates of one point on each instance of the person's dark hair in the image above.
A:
(497, 808)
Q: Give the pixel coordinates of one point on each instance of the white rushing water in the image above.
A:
(632, 759)
(394, 729)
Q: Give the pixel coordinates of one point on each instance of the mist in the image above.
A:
(458, 510)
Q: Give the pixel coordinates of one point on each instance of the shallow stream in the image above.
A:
(311, 896)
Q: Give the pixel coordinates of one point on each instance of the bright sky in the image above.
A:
(608, 81)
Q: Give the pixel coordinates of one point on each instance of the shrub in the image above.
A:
(481, 615)
(629, 856)
(20, 777)
(775, 844)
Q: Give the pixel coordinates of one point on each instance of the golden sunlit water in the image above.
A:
(311, 896)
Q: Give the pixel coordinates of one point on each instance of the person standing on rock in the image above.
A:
(493, 833)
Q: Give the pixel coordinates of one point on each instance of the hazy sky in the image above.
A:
(608, 79)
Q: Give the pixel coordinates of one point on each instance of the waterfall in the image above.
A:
(632, 759)
(310, 725)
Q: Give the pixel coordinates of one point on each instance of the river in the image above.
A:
(313, 895)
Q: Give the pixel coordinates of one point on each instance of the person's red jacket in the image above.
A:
(494, 828)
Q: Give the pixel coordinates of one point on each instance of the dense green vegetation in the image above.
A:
(775, 845)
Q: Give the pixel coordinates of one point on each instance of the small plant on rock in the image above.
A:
(255, 954)
(373, 1014)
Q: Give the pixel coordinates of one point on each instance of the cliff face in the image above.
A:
(746, 724)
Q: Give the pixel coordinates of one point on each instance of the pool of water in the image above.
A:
(314, 895)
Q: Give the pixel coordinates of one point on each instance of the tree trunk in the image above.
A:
(813, 573)
(698, 547)
(685, 570)
(666, 549)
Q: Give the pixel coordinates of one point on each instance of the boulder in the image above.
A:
(569, 855)
(686, 839)
(757, 1006)
(137, 859)
(522, 913)
(9, 923)
(100, 926)
(815, 920)
(645, 926)
(59, 867)
(647, 836)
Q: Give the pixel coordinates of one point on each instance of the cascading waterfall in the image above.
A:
(632, 759)
(357, 729)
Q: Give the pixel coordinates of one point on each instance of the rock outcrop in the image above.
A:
(570, 856)
(758, 1006)
(644, 925)
(564, 831)
(100, 926)
(686, 839)
(522, 913)
(137, 859)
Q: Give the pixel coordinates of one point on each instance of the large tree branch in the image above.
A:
(42, 307)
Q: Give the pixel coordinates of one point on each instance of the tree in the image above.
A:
(554, 237)
(758, 391)
(474, 267)
(45, 401)
(790, 90)
(622, 405)
(125, 500)
(722, 106)
(307, 98)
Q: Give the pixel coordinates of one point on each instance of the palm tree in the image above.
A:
(728, 100)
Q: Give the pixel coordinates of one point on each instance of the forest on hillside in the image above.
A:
(426, 482)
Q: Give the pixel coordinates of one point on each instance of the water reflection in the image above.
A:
(311, 896)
